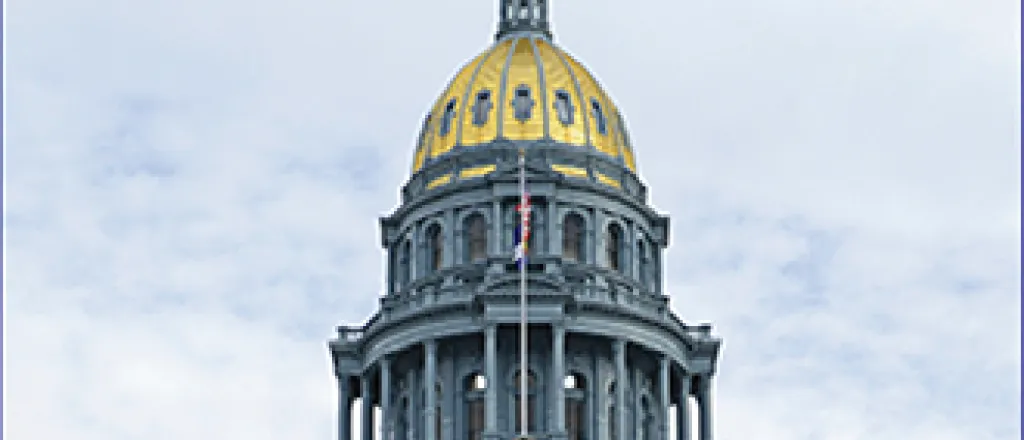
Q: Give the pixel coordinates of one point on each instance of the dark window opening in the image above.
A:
(482, 107)
(522, 104)
(524, 10)
(646, 420)
(645, 262)
(599, 119)
(476, 234)
(563, 107)
(438, 412)
(402, 420)
(402, 275)
(446, 120)
(613, 423)
(613, 417)
(575, 421)
(572, 238)
(613, 246)
(475, 410)
(435, 243)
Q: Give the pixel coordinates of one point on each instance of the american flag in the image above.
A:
(522, 232)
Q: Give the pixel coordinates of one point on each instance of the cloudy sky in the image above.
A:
(194, 187)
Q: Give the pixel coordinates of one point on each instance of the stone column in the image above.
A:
(595, 239)
(706, 428)
(385, 398)
(449, 230)
(554, 228)
(389, 273)
(656, 268)
(558, 379)
(494, 244)
(631, 268)
(621, 380)
(683, 407)
(491, 375)
(415, 250)
(344, 408)
(665, 386)
(366, 422)
(430, 384)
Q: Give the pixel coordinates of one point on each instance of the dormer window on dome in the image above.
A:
(447, 118)
(599, 119)
(522, 103)
(482, 107)
(563, 107)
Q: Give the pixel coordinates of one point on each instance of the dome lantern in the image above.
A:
(523, 16)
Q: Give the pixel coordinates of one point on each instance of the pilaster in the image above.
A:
(557, 381)
(621, 381)
(705, 410)
(385, 397)
(366, 418)
(429, 381)
(683, 407)
(344, 408)
(664, 397)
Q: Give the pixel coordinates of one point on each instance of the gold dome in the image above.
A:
(544, 94)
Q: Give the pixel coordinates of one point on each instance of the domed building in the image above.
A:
(441, 358)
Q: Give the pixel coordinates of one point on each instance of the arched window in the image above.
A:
(575, 404)
(563, 107)
(476, 238)
(613, 247)
(446, 118)
(402, 275)
(482, 107)
(435, 247)
(531, 395)
(641, 252)
(522, 103)
(476, 386)
(572, 238)
(599, 119)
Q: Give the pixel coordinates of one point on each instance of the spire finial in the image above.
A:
(526, 16)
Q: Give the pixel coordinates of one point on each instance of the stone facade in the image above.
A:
(440, 357)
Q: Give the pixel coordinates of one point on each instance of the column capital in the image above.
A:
(704, 382)
(618, 344)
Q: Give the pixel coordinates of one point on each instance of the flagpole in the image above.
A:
(523, 234)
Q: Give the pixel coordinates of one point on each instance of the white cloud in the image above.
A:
(194, 189)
